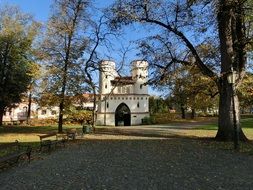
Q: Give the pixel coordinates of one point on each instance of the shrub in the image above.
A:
(148, 120)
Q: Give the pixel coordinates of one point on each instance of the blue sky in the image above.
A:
(40, 9)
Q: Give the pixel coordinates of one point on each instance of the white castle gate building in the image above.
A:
(122, 100)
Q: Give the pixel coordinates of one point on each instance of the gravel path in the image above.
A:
(125, 162)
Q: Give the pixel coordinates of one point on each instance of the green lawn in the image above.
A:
(29, 135)
(246, 124)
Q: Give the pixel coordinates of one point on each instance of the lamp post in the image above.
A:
(231, 77)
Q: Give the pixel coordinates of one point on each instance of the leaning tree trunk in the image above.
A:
(231, 35)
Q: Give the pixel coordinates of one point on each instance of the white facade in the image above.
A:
(19, 112)
(123, 100)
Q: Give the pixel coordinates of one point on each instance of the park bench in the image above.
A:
(48, 140)
(13, 153)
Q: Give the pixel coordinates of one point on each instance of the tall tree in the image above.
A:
(183, 26)
(17, 33)
(63, 48)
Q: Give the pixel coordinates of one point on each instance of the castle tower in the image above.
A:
(106, 74)
(140, 75)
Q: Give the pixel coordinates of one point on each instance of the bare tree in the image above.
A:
(64, 46)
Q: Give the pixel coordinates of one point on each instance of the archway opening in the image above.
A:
(122, 115)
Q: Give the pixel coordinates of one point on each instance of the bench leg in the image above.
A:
(49, 147)
(29, 156)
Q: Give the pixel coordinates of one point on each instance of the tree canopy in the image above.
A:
(17, 34)
(180, 27)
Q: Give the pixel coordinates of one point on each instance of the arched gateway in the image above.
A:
(122, 115)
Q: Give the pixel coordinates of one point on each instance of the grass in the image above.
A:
(26, 135)
(29, 135)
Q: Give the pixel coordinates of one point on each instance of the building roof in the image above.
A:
(123, 80)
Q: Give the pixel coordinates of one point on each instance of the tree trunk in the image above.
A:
(1, 116)
(94, 108)
(60, 121)
(231, 59)
(182, 112)
(28, 117)
(193, 113)
(226, 130)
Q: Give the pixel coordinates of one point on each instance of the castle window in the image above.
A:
(137, 98)
(53, 112)
(140, 76)
(106, 76)
(119, 98)
(111, 98)
(115, 98)
(141, 86)
(126, 98)
(107, 105)
(134, 98)
(130, 98)
(106, 86)
(138, 105)
(141, 98)
(122, 98)
(119, 89)
(43, 112)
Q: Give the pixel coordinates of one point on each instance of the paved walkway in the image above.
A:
(164, 130)
(126, 162)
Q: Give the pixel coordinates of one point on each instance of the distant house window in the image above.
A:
(4, 113)
(43, 112)
(106, 86)
(106, 76)
(138, 105)
(53, 112)
(141, 86)
(107, 105)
